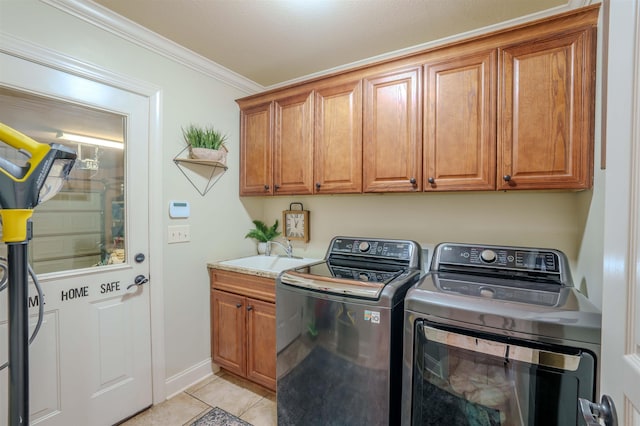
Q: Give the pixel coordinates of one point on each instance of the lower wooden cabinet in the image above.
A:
(243, 326)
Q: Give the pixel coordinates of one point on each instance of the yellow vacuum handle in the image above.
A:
(21, 141)
(14, 225)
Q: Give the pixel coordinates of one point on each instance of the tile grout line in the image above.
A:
(199, 415)
(212, 407)
(251, 406)
(192, 391)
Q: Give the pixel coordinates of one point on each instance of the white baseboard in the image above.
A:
(187, 378)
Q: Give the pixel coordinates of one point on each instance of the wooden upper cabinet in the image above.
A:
(338, 138)
(509, 110)
(392, 132)
(459, 122)
(545, 121)
(276, 145)
(293, 145)
(256, 150)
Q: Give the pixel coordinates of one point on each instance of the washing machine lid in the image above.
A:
(509, 290)
(572, 318)
(506, 290)
(348, 279)
(359, 267)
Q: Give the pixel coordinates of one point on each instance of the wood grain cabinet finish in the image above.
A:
(459, 122)
(261, 343)
(243, 325)
(293, 145)
(545, 121)
(509, 110)
(229, 333)
(338, 138)
(392, 132)
(256, 151)
(276, 145)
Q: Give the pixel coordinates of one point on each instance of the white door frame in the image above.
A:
(620, 372)
(31, 52)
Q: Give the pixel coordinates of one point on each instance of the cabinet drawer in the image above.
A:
(246, 285)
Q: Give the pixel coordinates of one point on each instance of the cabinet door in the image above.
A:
(338, 139)
(459, 123)
(256, 150)
(293, 145)
(261, 342)
(228, 334)
(545, 117)
(392, 136)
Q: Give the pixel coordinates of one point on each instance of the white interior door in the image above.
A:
(91, 361)
(620, 374)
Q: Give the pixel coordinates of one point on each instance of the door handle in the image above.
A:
(138, 281)
(592, 412)
(498, 349)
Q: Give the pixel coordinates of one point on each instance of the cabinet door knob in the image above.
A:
(506, 178)
(249, 308)
(266, 187)
(276, 187)
(431, 180)
(318, 185)
(238, 305)
(412, 181)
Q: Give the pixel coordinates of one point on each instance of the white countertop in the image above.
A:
(260, 265)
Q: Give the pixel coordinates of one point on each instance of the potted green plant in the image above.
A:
(205, 143)
(263, 234)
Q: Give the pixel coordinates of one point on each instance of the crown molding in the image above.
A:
(107, 20)
(113, 23)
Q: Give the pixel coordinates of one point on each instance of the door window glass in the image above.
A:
(83, 226)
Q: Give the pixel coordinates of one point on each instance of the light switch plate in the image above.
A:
(179, 234)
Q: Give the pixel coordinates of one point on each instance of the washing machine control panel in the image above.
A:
(508, 258)
(388, 249)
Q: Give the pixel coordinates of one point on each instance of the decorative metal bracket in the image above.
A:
(217, 170)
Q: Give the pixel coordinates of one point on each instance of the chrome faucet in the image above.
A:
(288, 249)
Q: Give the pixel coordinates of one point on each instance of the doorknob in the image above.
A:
(138, 281)
(592, 412)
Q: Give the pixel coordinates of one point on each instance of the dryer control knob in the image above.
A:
(364, 246)
(488, 256)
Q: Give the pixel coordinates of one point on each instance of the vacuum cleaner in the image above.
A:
(35, 175)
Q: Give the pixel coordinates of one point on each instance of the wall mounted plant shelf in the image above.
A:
(212, 171)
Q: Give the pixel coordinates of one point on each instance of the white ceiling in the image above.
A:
(274, 41)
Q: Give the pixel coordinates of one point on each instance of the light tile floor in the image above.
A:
(250, 402)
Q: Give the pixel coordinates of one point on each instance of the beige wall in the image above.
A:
(569, 221)
(552, 220)
(218, 219)
(539, 219)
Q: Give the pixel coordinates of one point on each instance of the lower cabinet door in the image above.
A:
(228, 325)
(261, 344)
